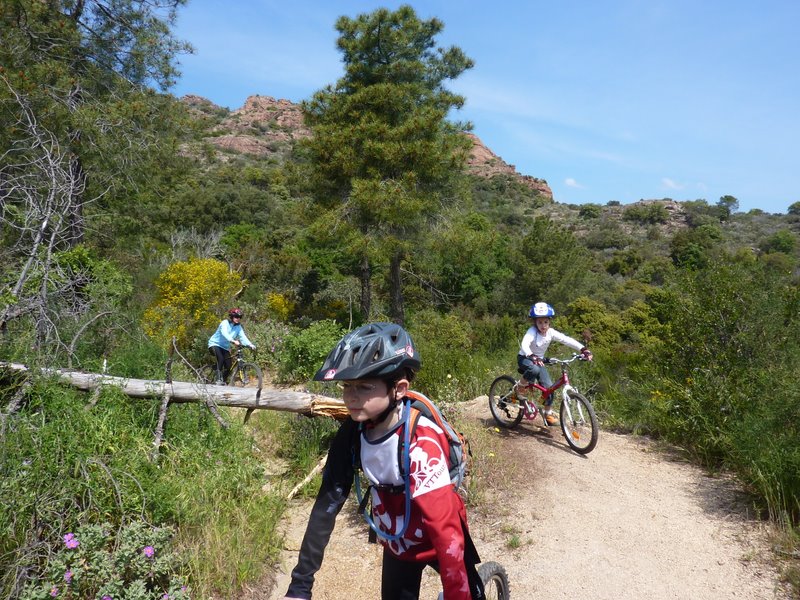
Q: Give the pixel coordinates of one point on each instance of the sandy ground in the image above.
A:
(627, 521)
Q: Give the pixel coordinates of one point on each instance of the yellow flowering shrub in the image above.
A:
(191, 295)
(279, 306)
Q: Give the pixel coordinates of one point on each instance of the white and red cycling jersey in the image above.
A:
(436, 526)
(437, 530)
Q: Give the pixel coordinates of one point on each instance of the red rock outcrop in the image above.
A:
(265, 126)
(486, 163)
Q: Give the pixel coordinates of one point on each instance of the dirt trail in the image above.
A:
(626, 521)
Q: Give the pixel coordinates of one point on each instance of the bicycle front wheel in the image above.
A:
(246, 375)
(579, 423)
(504, 405)
(495, 581)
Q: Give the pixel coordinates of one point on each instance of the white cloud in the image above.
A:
(671, 184)
(570, 182)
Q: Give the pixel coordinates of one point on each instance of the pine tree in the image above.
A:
(383, 152)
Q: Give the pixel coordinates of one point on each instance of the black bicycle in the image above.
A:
(243, 373)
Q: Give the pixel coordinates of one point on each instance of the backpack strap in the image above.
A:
(402, 450)
(406, 488)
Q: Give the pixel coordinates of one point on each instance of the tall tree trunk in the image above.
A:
(76, 222)
(396, 307)
(366, 287)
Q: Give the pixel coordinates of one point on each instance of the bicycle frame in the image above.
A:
(563, 382)
(510, 402)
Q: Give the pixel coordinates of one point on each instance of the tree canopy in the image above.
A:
(383, 153)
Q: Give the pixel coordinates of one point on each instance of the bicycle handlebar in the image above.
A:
(565, 361)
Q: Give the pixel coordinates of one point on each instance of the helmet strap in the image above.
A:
(388, 411)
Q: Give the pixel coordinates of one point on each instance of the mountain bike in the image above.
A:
(495, 581)
(243, 373)
(510, 401)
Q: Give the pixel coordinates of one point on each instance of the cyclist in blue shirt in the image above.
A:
(230, 331)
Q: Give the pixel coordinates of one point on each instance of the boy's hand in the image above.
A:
(587, 355)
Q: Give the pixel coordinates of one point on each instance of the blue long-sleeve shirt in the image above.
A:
(226, 333)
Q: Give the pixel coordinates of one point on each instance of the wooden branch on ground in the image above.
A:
(180, 392)
(309, 477)
(162, 419)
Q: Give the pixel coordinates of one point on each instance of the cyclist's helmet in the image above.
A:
(236, 312)
(541, 309)
(376, 350)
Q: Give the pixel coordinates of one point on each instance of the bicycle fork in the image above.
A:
(567, 403)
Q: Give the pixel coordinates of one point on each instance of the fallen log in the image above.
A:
(180, 391)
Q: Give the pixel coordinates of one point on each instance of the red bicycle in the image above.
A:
(510, 401)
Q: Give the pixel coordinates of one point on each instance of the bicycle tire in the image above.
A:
(505, 408)
(246, 375)
(495, 581)
(582, 429)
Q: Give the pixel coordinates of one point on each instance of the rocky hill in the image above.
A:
(266, 127)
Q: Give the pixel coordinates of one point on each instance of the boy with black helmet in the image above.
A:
(421, 519)
(535, 343)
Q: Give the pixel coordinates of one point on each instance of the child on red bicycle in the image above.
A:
(532, 350)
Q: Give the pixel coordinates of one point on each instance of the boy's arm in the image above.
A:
(337, 479)
(567, 341)
(525, 344)
(244, 339)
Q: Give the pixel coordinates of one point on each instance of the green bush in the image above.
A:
(646, 213)
(135, 562)
(590, 211)
(66, 467)
(716, 341)
(304, 351)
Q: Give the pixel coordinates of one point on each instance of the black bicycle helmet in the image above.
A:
(235, 312)
(378, 350)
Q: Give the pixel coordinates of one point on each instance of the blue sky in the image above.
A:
(616, 100)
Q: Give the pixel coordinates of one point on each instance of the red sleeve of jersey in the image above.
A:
(442, 510)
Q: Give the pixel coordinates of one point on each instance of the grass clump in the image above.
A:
(66, 467)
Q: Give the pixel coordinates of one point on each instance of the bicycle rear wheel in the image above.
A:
(246, 375)
(504, 405)
(579, 423)
(495, 580)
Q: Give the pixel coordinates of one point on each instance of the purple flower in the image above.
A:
(68, 576)
(71, 542)
(149, 551)
(54, 591)
(165, 597)
(106, 598)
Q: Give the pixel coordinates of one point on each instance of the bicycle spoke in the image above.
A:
(579, 423)
(505, 408)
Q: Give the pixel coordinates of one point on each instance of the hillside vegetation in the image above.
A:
(127, 222)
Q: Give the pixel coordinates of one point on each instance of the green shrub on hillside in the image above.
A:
(304, 351)
(646, 213)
